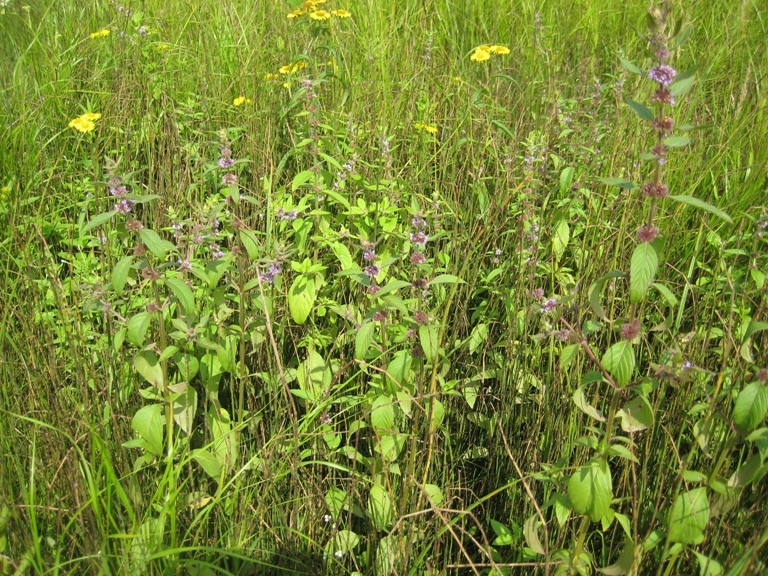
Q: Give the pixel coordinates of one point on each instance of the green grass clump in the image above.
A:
(382, 288)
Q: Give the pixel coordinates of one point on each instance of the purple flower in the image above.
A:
(420, 317)
(418, 222)
(184, 264)
(119, 190)
(538, 293)
(548, 306)
(663, 96)
(216, 251)
(647, 233)
(226, 162)
(369, 255)
(269, 276)
(662, 54)
(687, 365)
(418, 258)
(373, 289)
(284, 214)
(653, 190)
(229, 179)
(663, 74)
(380, 316)
(630, 330)
(372, 271)
(419, 238)
(124, 206)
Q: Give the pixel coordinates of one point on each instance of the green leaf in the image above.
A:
(531, 534)
(99, 220)
(148, 365)
(344, 541)
(183, 294)
(619, 360)
(696, 203)
(438, 414)
(636, 415)
(434, 493)
(619, 183)
(380, 507)
(149, 422)
(689, 517)
(583, 405)
(631, 67)
(560, 239)
(677, 141)
(383, 414)
(137, 328)
(345, 258)
(363, 340)
(622, 452)
(504, 536)
(120, 274)
(314, 376)
(335, 498)
(399, 368)
(302, 178)
(250, 243)
(154, 243)
(568, 354)
(428, 336)
(751, 406)
(591, 490)
(745, 350)
(184, 405)
(478, 337)
(642, 270)
(708, 566)
(301, 298)
(624, 563)
(642, 111)
(596, 288)
(445, 279)
(208, 462)
(566, 179)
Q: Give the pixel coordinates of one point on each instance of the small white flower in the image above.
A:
(327, 518)
(339, 554)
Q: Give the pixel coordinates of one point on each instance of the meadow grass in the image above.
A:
(233, 397)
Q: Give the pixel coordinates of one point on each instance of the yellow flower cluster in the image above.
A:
(483, 53)
(311, 7)
(293, 68)
(240, 100)
(101, 33)
(431, 128)
(86, 122)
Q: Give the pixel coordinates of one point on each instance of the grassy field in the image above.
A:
(388, 288)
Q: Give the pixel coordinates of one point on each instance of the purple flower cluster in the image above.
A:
(663, 74)
(124, 206)
(226, 161)
(284, 214)
(549, 305)
(346, 169)
(269, 276)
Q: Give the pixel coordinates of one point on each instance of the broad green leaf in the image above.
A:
(391, 286)
(314, 376)
(428, 336)
(619, 183)
(631, 67)
(445, 279)
(642, 270)
(251, 244)
(188, 365)
(696, 203)
(154, 243)
(301, 298)
(751, 406)
(363, 339)
(619, 360)
(438, 414)
(224, 440)
(745, 350)
(335, 498)
(137, 328)
(689, 517)
(504, 536)
(642, 111)
(677, 141)
(120, 274)
(636, 415)
(568, 354)
(208, 462)
(435, 493)
(383, 414)
(586, 407)
(591, 489)
(388, 557)
(566, 179)
(183, 294)
(478, 337)
(624, 562)
(380, 507)
(184, 405)
(99, 220)
(147, 363)
(531, 534)
(708, 566)
(345, 258)
(302, 178)
(344, 541)
(560, 239)
(149, 422)
(595, 290)
(399, 368)
(622, 452)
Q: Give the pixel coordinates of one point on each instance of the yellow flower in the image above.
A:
(286, 84)
(431, 128)
(309, 5)
(341, 13)
(270, 76)
(296, 13)
(319, 15)
(291, 69)
(101, 33)
(498, 49)
(457, 79)
(480, 55)
(92, 116)
(82, 124)
(162, 47)
(240, 100)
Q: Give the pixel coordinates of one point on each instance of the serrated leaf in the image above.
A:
(137, 328)
(568, 354)
(154, 243)
(301, 298)
(99, 220)
(383, 414)
(619, 360)
(750, 407)
(149, 422)
(590, 490)
(250, 243)
(642, 269)
(363, 339)
(183, 294)
(148, 365)
(696, 203)
(560, 238)
(581, 403)
(689, 517)
(428, 337)
(184, 405)
(642, 111)
(120, 274)
(344, 256)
